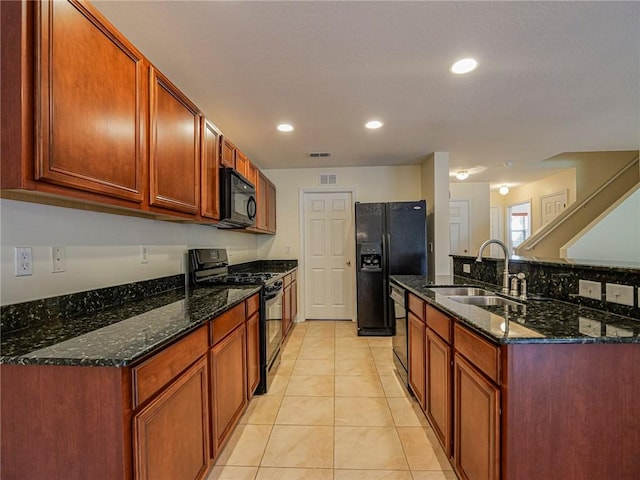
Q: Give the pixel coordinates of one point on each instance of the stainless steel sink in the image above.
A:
(461, 291)
(484, 300)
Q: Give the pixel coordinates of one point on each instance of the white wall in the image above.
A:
(613, 237)
(102, 249)
(371, 184)
(477, 194)
(435, 188)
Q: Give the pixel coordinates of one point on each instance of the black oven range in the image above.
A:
(209, 266)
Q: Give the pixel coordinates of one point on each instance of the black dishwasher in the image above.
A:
(399, 341)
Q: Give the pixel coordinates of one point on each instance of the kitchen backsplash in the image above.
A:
(21, 315)
(556, 280)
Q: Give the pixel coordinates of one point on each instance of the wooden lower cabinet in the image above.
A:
(287, 320)
(253, 354)
(416, 333)
(476, 450)
(438, 388)
(228, 384)
(171, 434)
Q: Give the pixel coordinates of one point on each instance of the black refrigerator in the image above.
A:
(391, 239)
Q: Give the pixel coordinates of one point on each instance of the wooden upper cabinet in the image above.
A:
(242, 164)
(252, 174)
(174, 163)
(271, 207)
(90, 107)
(228, 153)
(261, 199)
(210, 161)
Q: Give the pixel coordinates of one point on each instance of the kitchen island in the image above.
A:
(540, 389)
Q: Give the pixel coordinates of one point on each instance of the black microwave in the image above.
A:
(237, 200)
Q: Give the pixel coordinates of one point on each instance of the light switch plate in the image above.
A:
(622, 294)
(466, 268)
(589, 289)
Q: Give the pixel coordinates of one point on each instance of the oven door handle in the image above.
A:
(272, 294)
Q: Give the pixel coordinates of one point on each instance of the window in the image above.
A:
(519, 222)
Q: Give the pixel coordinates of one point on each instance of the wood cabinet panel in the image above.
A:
(159, 370)
(439, 322)
(271, 207)
(484, 355)
(438, 388)
(416, 339)
(253, 354)
(261, 199)
(225, 323)
(416, 306)
(228, 153)
(210, 172)
(294, 297)
(476, 423)
(228, 384)
(172, 432)
(286, 309)
(90, 108)
(242, 164)
(174, 164)
(252, 305)
(252, 174)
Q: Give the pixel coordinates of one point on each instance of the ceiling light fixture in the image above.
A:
(373, 124)
(463, 66)
(285, 127)
(503, 190)
(462, 174)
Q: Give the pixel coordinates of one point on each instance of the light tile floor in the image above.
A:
(335, 411)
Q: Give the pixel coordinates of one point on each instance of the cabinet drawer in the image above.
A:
(150, 376)
(224, 324)
(439, 323)
(252, 305)
(286, 281)
(416, 305)
(484, 355)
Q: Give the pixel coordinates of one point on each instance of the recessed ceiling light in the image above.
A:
(285, 127)
(503, 190)
(462, 174)
(373, 124)
(465, 65)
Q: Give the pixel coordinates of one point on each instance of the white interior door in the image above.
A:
(459, 227)
(552, 205)
(329, 242)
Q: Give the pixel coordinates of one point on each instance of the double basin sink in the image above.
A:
(474, 296)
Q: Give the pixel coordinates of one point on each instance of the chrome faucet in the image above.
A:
(505, 273)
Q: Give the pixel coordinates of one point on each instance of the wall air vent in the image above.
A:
(327, 179)
(319, 154)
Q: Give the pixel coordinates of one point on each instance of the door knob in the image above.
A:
(349, 263)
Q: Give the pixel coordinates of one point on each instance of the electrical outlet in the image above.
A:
(144, 254)
(24, 261)
(287, 249)
(58, 259)
(590, 289)
(622, 294)
(466, 268)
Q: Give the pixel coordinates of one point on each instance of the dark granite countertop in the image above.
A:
(120, 335)
(536, 321)
(261, 266)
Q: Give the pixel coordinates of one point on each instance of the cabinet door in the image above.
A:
(174, 164)
(253, 353)
(228, 384)
(210, 197)
(242, 164)
(476, 423)
(261, 198)
(438, 388)
(171, 434)
(286, 310)
(271, 207)
(294, 300)
(416, 339)
(90, 109)
(252, 174)
(228, 155)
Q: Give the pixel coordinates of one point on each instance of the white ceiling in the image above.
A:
(553, 77)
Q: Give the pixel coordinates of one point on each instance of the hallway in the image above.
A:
(335, 411)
